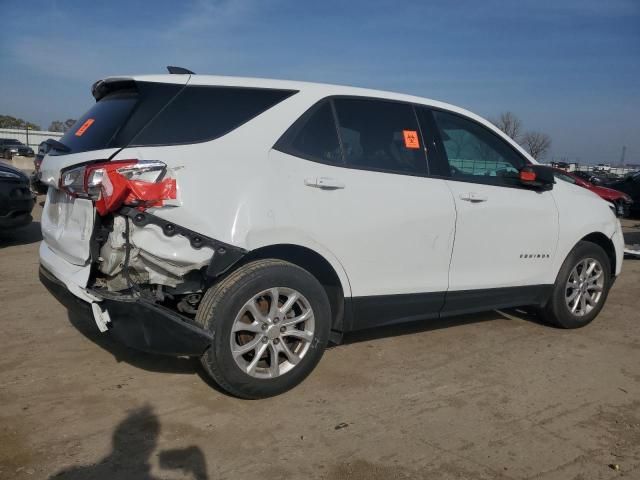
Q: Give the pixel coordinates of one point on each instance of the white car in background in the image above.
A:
(249, 221)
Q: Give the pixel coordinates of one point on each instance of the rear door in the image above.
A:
(357, 170)
(506, 234)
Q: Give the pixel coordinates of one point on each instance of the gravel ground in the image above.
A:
(489, 396)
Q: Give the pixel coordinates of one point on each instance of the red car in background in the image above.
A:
(621, 200)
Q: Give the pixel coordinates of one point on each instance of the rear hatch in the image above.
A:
(123, 109)
(135, 112)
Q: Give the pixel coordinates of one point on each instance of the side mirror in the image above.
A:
(537, 177)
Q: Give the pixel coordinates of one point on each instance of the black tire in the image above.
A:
(556, 311)
(222, 303)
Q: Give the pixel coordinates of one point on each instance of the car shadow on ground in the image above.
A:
(21, 236)
(133, 442)
(82, 320)
(439, 323)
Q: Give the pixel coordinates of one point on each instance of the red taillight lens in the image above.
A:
(138, 183)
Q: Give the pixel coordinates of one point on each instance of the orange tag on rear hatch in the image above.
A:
(411, 139)
(83, 128)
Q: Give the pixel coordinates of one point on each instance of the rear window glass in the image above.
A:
(115, 119)
(167, 114)
(96, 128)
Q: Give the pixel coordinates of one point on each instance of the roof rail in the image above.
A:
(179, 71)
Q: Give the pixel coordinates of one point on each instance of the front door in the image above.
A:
(506, 234)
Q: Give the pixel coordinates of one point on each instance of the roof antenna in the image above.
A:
(179, 71)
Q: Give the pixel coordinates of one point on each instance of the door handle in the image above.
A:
(324, 183)
(473, 197)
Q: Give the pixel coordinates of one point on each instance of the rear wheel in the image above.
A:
(270, 322)
(581, 287)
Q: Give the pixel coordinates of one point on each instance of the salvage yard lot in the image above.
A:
(495, 395)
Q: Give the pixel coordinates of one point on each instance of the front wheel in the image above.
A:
(270, 322)
(581, 287)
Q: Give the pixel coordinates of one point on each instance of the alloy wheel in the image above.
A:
(584, 287)
(272, 332)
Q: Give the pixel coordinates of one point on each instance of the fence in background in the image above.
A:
(33, 138)
(576, 167)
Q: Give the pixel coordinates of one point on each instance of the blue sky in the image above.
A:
(570, 68)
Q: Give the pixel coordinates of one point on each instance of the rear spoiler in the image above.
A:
(109, 85)
(104, 87)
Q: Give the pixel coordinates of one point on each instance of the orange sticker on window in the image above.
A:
(411, 139)
(83, 128)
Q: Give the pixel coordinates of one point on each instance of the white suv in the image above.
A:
(251, 221)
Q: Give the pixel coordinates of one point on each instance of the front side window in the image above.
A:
(475, 153)
(380, 135)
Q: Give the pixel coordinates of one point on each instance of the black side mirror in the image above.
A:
(537, 177)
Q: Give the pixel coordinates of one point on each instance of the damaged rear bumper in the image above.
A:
(139, 323)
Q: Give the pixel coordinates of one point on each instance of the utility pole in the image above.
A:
(624, 150)
(26, 127)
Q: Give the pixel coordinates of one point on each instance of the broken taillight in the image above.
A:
(139, 183)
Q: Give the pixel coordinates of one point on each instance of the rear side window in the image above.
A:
(202, 113)
(380, 135)
(147, 113)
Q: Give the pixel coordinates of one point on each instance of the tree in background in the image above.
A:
(7, 121)
(509, 124)
(537, 144)
(59, 126)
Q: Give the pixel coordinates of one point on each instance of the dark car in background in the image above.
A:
(16, 198)
(630, 185)
(621, 200)
(36, 180)
(589, 177)
(10, 147)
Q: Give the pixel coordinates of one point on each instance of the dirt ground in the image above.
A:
(489, 396)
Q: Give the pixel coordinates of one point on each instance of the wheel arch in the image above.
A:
(316, 264)
(607, 245)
